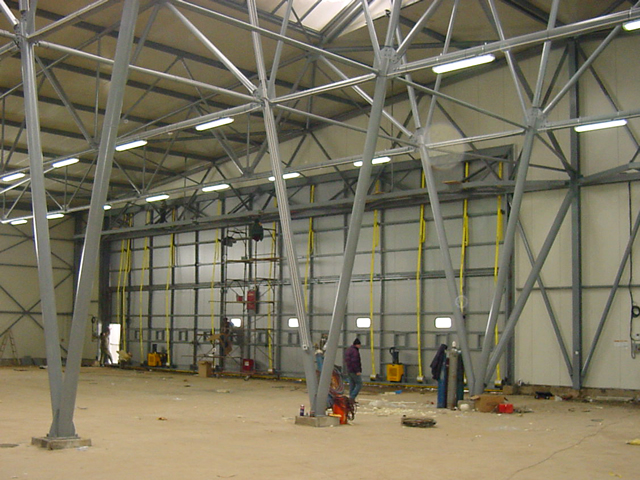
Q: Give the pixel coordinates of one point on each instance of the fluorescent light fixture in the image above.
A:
(215, 188)
(12, 176)
(600, 126)
(443, 322)
(363, 322)
(293, 323)
(466, 63)
(632, 25)
(106, 207)
(65, 163)
(236, 322)
(53, 216)
(157, 198)
(214, 123)
(130, 145)
(286, 176)
(375, 161)
(19, 221)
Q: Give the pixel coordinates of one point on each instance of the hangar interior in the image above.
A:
(308, 168)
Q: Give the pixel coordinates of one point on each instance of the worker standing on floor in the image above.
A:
(354, 368)
(105, 354)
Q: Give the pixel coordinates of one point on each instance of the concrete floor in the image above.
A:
(153, 425)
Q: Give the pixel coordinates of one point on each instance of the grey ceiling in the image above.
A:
(181, 77)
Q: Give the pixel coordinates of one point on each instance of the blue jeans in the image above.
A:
(355, 384)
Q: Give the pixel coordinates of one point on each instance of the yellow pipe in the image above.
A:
(119, 305)
(464, 242)
(422, 234)
(310, 242)
(270, 298)
(125, 261)
(216, 257)
(145, 259)
(375, 241)
(167, 296)
(499, 232)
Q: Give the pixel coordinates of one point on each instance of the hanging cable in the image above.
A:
(499, 234)
(422, 234)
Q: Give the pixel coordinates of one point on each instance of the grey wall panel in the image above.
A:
(403, 235)
(538, 352)
(183, 306)
(184, 274)
(329, 242)
(400, 296)
(20, 308)
(613, 364)
(358, 301)
(605, 231)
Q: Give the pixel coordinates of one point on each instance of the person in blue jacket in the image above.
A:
(354, 368)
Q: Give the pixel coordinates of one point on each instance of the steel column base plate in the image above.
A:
(60, 442)
(326, 421)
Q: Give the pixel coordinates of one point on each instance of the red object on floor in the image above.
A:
(341, 407)
(248, 365)
(505, 408)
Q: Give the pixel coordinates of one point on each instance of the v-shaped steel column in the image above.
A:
(534, 121)
(40, 222)
(364, 177)
(284, 211)
(89, 257)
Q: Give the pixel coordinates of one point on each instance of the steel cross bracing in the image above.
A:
(380, 76)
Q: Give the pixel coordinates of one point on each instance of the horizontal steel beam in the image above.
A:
(552, 34)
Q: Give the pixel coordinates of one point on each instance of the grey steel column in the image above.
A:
(91, 247)
(576, 227)
(40, 222)
(359, 202)
(308, 354)
(528, 286)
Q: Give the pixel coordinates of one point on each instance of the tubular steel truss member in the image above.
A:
(535, 119)
(40, 226)
(375, 117)
(284, 213)
(64, 389)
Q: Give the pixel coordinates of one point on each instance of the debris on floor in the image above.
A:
(635, 441)
(418, 422)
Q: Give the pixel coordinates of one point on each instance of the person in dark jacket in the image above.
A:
(354, 368)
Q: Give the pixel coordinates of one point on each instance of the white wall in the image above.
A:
(20, 307)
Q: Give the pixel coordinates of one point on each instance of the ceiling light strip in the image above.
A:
(600, 126)
(466, 63)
